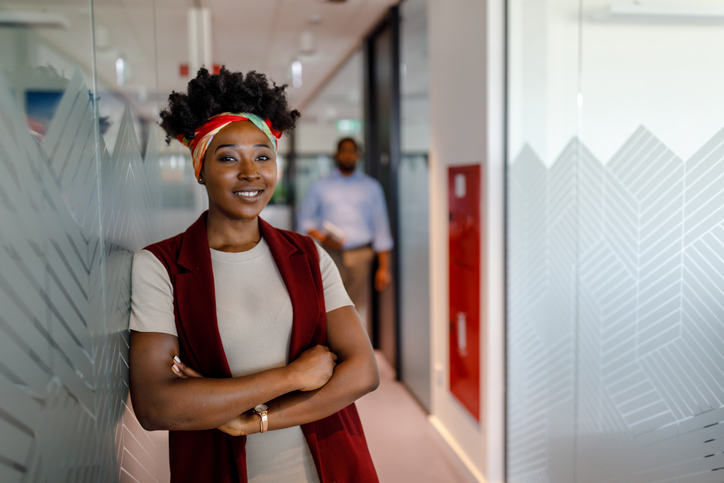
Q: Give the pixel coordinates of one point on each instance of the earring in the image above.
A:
(201, 180)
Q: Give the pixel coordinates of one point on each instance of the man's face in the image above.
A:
(346, 157)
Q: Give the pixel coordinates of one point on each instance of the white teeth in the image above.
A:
(247, 194)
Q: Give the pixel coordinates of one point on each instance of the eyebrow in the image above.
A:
(237, 146)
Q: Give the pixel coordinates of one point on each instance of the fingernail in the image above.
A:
(175, 358)
(175, 368)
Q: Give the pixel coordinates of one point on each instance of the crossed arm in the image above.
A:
(317, 384)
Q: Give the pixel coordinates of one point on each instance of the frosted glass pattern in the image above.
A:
(615, 242)
(616, 320)
(71, 215)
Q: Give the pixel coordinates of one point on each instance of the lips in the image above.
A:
(249, 194)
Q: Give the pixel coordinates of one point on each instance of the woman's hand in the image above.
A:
(354, 376)
(313, 368)
(241, 425)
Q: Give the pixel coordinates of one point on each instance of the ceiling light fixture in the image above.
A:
(297, 74)
(120, 71)
(199, 28)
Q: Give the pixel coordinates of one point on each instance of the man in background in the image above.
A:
(347, 213)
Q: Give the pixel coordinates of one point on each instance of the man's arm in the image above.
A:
(327, 240)
(382, 276)
(382, 242)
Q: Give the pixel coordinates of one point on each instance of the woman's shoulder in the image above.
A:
(167, 251)
(304, 242)
(172, 244)
(294, 236)
(149, 270)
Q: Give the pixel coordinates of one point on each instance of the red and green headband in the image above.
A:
(204, 134)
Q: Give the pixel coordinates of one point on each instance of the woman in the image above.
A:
(261, 313)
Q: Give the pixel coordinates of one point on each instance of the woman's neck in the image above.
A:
(227, 235)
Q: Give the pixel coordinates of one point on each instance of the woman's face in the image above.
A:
(239, 171)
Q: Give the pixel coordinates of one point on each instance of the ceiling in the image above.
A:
(262, 35)
(341, 96)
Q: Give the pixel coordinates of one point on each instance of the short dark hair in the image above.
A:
(211, 94)
(347, 140)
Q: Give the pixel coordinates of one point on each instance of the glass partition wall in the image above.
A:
(79, 192)
(615, 241)
(413, 200)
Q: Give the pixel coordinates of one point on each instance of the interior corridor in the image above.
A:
(404, 445)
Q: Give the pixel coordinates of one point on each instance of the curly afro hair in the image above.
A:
(211, 94)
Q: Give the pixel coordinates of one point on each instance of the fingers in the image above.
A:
(334, 356)
(176, 370)
(326, 349)
(182, 370)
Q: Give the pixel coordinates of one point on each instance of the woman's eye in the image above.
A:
(227, 158)
(263, 157)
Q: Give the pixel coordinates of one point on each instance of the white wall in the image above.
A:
(466, 113)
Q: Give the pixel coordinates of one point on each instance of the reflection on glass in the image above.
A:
(72, 212)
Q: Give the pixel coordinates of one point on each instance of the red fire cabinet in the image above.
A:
(464, 186)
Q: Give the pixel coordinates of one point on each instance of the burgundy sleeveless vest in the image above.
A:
(337, 442)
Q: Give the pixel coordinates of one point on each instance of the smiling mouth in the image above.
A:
(249, 195)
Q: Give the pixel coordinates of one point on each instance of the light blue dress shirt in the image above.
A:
(355, 204)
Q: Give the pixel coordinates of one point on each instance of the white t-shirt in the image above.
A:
(254, 315)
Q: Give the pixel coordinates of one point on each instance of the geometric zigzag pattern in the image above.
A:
(616, 315)
(72, 215)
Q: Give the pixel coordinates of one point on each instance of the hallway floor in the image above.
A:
(404, 445)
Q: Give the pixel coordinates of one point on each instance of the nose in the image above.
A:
(248, 170)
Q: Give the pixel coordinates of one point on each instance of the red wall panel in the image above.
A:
(464, 195)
